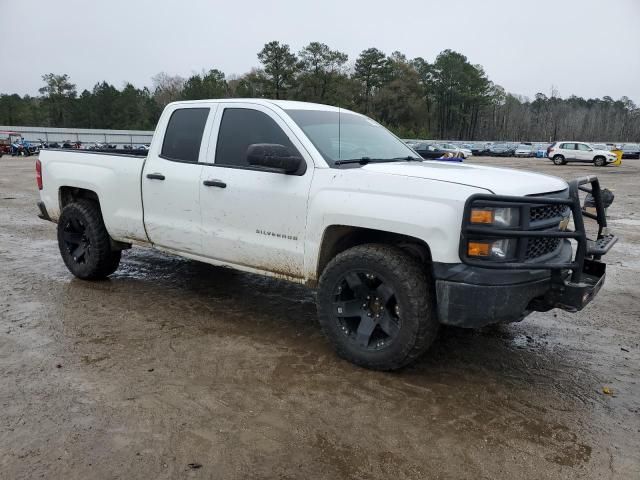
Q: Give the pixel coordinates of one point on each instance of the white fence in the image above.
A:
(83, 135)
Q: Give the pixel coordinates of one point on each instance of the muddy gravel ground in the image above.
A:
(176, 369)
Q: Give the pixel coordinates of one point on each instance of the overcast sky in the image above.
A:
(589, 48)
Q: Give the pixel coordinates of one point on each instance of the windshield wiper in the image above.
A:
(409, 159)
(365, 160)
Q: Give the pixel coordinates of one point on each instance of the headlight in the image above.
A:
(500, 217)
(504, 249)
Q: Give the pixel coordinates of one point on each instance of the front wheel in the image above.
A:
(599, 161)
(375, 304)
(85, 245)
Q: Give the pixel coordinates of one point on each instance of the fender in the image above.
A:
(428, 210)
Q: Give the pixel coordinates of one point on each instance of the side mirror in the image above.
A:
(273, 155)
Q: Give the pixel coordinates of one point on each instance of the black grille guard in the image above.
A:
(587, 248)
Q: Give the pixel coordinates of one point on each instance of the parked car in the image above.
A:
(480, 148)
(102, 146)
(501, 150)
(599, 146)
(568, 151)
(429, 151)
(455, 149)
(630, 150)
(540, 150)
(524, 150)
(69, 144)
(412, 143)
(329, 198)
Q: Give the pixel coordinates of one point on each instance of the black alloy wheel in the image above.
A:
(75, 240)
(366, 310)
(85, 244)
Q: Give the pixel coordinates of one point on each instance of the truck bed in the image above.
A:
(113, 176)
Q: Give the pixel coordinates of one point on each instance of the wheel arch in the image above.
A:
(68, 194)
(339, 238)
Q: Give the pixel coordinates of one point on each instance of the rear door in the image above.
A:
(568, 151)
(171, 178)
(252, 216)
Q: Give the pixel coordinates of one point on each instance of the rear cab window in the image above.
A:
(183, 135)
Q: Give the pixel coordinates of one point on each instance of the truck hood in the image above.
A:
(501, 181)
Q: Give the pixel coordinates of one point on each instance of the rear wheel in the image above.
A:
(375, 304)
(559, 160)
(85, 245)
(599, 161)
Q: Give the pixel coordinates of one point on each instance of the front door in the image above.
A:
(584, 152)
(252, 216)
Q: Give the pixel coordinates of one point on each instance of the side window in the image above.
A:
(583, 147)
(241, 127)
(184, 134)
(568, 146)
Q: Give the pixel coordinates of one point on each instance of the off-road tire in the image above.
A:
(599, 161)
(559, 160)
(417, 322)
(99, 260)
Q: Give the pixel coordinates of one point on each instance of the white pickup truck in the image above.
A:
(395, 245)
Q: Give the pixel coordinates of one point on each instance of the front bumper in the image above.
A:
(478, 292)
(473, 297)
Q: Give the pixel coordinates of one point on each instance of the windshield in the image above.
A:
(347, 136)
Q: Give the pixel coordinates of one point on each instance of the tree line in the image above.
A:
(448, 98)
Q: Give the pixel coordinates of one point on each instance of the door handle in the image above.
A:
(214, 183)
(155, 176)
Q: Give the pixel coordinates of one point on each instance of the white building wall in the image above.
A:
(84, 135)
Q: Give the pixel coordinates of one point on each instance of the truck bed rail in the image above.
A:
(121, 152)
